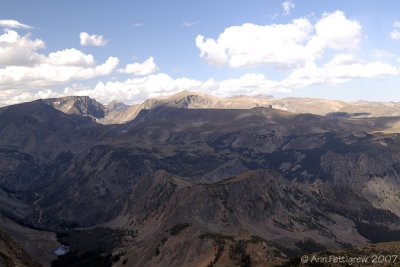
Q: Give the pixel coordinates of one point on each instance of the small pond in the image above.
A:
(61, 250)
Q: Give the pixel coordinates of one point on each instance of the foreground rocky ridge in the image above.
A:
(198, 186)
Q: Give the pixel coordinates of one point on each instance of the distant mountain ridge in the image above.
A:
(118, 113)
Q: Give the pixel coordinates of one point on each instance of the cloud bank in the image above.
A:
(26, 74)
(319, 52)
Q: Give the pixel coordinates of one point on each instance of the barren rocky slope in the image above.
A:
(181, 186)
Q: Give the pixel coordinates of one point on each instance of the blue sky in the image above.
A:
(132, 50)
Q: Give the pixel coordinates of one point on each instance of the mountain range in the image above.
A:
(119, 113)
(196, 180)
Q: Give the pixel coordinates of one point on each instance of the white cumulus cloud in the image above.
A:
(46, 75)
(9, 23)
(338, 32)
(146, 67)
(280, 44)
(23, 67)
(19, 50)
(92, 40)
(70, 57)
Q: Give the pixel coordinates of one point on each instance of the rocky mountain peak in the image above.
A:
(79, 105)
(115, 106)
